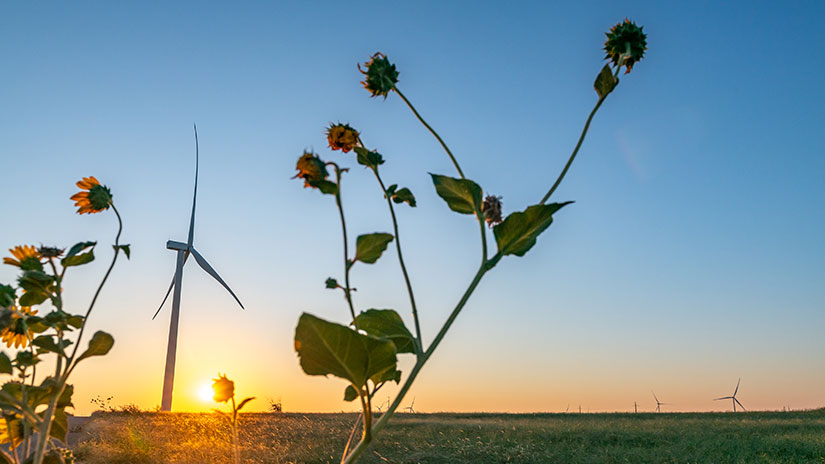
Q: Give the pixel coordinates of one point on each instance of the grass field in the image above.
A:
(752, 437)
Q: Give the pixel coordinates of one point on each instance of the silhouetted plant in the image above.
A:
(35, 413)
(225, 392)
(364, 353)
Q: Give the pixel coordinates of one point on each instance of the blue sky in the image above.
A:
(692, 256)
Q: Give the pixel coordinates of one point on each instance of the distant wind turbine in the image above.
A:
(183, 250)
(733, 397)
(659, 404)
(410, 407)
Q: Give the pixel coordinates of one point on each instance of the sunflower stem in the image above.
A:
(575, 152)
(432, 131)
(419, 341)
(347, 263)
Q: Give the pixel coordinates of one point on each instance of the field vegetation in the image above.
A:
(751, 437)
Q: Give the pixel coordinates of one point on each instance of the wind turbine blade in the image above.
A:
(168, 292)
(737, 387)
(740, 404)
(654, 396)
(195, 196)
(171, 286)
(206, 267)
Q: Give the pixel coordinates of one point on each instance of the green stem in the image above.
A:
(432, 131)
(575, 151)
(237, 452)
(99, 288)
(48, 415)
(347, 264)
(419, 341)
(382, 422)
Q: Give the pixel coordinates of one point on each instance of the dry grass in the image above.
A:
(764, 437)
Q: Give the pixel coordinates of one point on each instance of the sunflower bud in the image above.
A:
(381, 75)
(224, 389)
(342, 137)
(491, 208)
(50, 252)
(625, 44)
(312, 169)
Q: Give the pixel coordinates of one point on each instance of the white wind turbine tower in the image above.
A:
(183, 250)
(733, 398)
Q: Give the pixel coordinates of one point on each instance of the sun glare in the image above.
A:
(205, 393)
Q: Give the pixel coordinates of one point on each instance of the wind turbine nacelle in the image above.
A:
(180, 246)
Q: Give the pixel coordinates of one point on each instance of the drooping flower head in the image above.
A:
(491, 208)
(628, 39)
(342, 137)
(224, 389)
(380, 75)
(16, 334)
(93, 198)
(312, 169)
(50, 252)
(26, 257)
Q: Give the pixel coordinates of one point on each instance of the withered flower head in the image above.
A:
(50, 252)
(311, 168)
(342, 137)
(491, 208)
(381, 75)
(16, 334)
(93, 198)
(628, 39)
(224, 389)
(26, 257)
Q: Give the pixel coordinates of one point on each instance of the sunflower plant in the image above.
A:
(225, 393)
(34, 421)
(364, 350)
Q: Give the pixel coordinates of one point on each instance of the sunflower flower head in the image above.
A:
(50, 252)
(380, 75)
(626, 44)
(26, 257)
(17, 334)
(93, 197)
(224, 389)
(11, 429)
(491, 208)
(342, 137)
(312, 169)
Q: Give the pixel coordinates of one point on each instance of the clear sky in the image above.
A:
(694, 254)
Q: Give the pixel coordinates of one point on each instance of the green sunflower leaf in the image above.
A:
(326, 348)
(370, 159)
(80, 259)
(78, 247)
(370, 247)
(350, 394)
(99, 345)
(5, 363)
(518, 232)
(386, 323)
(605, 82)
(462, 195)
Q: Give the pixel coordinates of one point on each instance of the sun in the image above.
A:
(205, 392)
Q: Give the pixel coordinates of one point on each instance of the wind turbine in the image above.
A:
(410, 407)
(183, 250)
(659, 404)
(733, 398)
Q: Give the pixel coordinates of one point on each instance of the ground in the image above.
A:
(752, 437)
